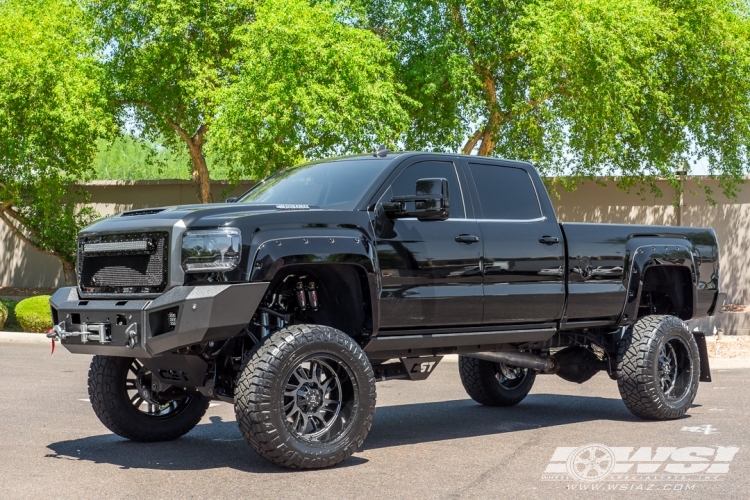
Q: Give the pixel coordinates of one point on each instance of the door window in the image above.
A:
(405, 184)
(505, 192)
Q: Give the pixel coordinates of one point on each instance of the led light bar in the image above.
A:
(117, 246)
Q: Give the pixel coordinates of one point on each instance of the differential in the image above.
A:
(577, 364)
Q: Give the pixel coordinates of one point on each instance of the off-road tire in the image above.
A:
(109, 399)
(480, 380)
(637, 372)
(260, 393)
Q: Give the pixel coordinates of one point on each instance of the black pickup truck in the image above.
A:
(291, 301)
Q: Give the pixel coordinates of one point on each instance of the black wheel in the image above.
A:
(306, 398)
(494, 384)
(658, 368)
(120, 393)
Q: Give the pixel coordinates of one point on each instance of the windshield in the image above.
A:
(339, 185)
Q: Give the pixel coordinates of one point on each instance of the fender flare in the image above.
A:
(673, 252)
(276, 250)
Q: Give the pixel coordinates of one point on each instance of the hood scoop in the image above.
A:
(148, 211)
(293, 207)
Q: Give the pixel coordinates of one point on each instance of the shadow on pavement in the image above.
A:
(219, 444)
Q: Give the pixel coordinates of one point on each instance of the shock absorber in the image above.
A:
(299, 291)
(312, 295)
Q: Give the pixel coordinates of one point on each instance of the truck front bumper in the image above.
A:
(143, 328)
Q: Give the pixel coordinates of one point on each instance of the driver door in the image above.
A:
(429, 269)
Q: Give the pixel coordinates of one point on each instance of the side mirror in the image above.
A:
(231, 200)
(431, 201)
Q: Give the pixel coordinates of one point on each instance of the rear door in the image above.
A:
(429, 269)
(523, 246)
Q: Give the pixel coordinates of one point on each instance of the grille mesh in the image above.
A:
(126, 271)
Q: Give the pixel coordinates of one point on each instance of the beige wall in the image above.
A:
(24, 267)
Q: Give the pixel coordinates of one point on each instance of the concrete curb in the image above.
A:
(23, 337)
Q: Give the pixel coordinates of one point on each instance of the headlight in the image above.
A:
(211, 250)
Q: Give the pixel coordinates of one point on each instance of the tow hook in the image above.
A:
(131, 334)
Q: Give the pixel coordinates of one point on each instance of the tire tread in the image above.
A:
(634, 373)
(121, 418)
(253, 395)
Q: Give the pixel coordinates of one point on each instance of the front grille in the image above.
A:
(123, 264)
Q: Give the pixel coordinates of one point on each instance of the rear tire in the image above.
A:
(113, 392)
(306, 398)
(658, 368)
(494, 384)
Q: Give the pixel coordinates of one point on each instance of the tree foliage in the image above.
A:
(166, 59)
(634, 88)
(278, 81)
(52, 109)
(131, 158)
(309, 84)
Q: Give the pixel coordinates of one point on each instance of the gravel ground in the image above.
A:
(728, 347)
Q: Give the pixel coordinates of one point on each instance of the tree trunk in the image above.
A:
(472, 142)
(201, 178)
(69, 270)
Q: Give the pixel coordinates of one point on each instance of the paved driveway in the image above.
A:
(429, 440)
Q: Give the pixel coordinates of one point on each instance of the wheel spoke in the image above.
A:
(327, 384)
(314, 389)
(315, 372)
(316, 422)
(301, 375)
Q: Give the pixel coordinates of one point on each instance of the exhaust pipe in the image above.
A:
(521, 359)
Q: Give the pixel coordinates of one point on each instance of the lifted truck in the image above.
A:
(292, 300)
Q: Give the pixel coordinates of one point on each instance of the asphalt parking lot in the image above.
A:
(429, 440)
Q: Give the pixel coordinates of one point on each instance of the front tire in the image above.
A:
(306, 398)
(494, 384)
(119, 394)
(658, 368)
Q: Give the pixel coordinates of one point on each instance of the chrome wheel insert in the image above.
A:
(674, 369)
(138, 388)
(318, 399)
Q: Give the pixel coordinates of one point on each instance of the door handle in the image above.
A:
(467, 238)
(549, 240)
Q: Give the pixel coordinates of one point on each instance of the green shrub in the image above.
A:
(3, 315)
(11, 322)
(34, 314)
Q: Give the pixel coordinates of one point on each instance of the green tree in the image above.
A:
(634, 88)
(131, 158)
(166, 59)
(309, 84)
(269, 82)
(52, 109)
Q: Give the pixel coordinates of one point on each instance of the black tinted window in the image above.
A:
(337, 185)
(406, 183)
(505, 192)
